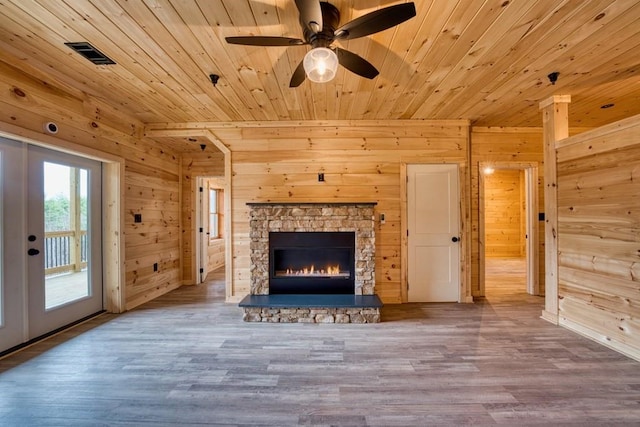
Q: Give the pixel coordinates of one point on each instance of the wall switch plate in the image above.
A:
(382, 220)
(320, 177)
(155, 266)
(137, 217)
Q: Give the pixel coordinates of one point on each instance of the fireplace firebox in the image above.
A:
(312, 262)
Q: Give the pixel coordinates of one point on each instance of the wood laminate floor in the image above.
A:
(505, 278)
(187, 359)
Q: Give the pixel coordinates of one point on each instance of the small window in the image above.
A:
(215, 213)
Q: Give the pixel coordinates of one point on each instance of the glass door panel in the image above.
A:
(65, 231)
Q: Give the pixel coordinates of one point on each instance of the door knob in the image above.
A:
(454, 239)
(33, 252)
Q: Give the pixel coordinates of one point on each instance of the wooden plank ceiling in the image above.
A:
(486, 61)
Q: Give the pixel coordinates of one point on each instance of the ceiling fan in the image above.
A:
(319, 21)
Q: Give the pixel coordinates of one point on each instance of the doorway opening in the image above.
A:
(508, 229)
(212, 238)
(57, 212)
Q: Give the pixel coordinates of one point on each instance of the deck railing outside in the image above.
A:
(65, 252)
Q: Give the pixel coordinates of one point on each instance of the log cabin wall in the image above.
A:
(215, 255)
(209, 162)
(505, 219)
(508, 147)
(599, 234)
(155, 194)
(361, 161)
(151, 178)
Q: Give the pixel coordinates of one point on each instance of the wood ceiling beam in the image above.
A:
(187, 128)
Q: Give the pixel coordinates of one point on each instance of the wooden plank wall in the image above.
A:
(215, 255)
(360, 161)
(154, 194)
(599, 234)
(194, 164)
(505, 221)
(503, 146)
(152, 172)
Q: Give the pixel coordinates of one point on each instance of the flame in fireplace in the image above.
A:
(311, 271)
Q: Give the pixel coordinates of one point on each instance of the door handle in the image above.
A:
(454, 239)
(33, 252)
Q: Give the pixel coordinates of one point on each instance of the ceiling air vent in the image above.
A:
(91, 53)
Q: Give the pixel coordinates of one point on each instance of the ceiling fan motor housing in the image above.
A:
(330, 21)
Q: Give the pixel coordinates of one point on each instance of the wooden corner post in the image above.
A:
(555, 122)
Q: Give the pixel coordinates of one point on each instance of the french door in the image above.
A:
(12, 244)
(51, 208)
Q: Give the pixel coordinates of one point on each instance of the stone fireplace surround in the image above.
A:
(298, 217)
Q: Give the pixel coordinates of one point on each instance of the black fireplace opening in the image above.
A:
(312, 262)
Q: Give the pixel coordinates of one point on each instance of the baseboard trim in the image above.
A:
(631, 352)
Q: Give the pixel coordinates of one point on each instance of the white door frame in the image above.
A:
(532, 227)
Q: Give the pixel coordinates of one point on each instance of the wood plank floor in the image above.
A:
(187, 359)
(505, 278)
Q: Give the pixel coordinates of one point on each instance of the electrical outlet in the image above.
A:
(382, 220)
(320, 177)
(137, 217)
(155, 266)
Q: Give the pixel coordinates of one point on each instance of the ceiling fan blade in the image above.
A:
(264, 41)
(298, 76)
(310, 14)
(377, 21)
(356, 64)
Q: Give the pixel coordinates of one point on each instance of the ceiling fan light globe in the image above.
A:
(320, 64)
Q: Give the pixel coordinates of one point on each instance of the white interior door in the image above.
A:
(202, 231)
(433, 219)
(64, 271)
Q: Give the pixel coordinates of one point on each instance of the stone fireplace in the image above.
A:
(318, 223)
